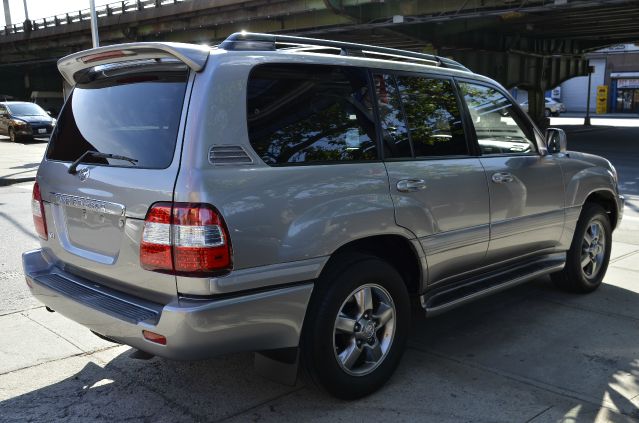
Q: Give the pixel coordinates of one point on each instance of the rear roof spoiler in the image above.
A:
(194, 56)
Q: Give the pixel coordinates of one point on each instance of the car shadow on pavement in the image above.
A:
(35, 141)
(26, 166)
(25, 142)
(153, 390)
(528, 352)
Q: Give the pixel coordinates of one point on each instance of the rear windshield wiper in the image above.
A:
(91, 153)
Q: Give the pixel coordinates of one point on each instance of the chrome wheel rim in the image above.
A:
(593, 249)
(364, 329)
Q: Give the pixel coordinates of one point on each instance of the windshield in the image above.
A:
(26, 109)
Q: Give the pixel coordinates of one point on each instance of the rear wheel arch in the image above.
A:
(397, 250)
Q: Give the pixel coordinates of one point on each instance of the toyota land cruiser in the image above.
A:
(289, 196)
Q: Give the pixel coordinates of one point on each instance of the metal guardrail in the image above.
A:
(115, 8)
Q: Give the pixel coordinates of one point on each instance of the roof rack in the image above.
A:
(251, 41)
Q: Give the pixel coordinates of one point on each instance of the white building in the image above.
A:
(616, 67)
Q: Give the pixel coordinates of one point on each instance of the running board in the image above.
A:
(448, 297)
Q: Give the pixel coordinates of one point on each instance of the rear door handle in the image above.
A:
(411, 185)
(502, 177)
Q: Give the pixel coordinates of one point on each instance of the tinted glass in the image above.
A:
(301, 114)
(27, 109)
(500, 129)
(433, 116)
(394, 130)
(134, 115)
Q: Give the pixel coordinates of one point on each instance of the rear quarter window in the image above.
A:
(132, 114)
(310, 114)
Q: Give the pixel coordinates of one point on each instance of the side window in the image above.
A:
(394, 130)
(433, 116)
(500, 130)
(301, 114)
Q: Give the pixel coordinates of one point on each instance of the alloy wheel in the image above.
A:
(364, 329)
(593, 249)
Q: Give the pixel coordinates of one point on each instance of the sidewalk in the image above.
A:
(616, 120)
(528, 354)
(30, 155)
(602, 116)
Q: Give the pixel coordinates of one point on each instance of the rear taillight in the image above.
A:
(185, 239)
(37, 209)
(155, 249)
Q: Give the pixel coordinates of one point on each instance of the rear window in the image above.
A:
(130, 114)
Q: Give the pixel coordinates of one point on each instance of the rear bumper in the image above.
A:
(194, 329)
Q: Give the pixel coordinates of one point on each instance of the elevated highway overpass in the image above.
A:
(533, 44)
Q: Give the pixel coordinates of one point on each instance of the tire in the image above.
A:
(12, 135)
(547, 113)
(579, 275)
(344, 347)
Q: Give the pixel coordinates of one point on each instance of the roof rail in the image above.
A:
(250, 41)
(193, 56)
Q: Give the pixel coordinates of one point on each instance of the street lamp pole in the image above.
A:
(94, 25)
(26, 11)
(591, 69)
(7, 12)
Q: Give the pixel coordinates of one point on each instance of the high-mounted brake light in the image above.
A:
(37, 209)
(106, 55)
(185, 239)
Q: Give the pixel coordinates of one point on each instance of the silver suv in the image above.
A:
(289, 196)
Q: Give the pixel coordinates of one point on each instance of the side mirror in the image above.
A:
(50, 113)
(556, 140)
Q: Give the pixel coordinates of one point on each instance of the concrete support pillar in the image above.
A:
(537, 106)
(537, 95)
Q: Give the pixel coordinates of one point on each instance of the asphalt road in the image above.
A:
(528, 354)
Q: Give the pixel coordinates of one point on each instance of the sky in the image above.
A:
(45, 8)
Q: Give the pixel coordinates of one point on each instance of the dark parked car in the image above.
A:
(21, 120)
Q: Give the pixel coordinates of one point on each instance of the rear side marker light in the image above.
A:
(37, 209)
(185, 239)
(154, 337)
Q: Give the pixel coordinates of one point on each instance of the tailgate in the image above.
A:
(95, 216)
